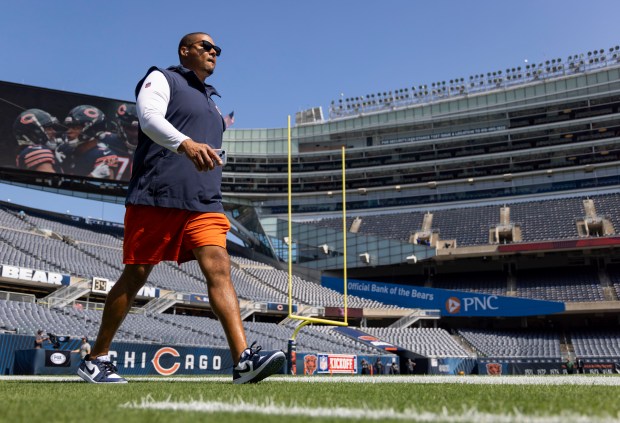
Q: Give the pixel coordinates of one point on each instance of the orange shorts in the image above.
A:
(154, 234)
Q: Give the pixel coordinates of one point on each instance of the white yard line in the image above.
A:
(295, 411)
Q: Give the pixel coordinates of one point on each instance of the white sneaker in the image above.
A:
(99, 370)
(254, 367)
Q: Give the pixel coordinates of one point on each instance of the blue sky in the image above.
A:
(280, 57)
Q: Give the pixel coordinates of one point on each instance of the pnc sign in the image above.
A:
(448, 302)
(453, 305)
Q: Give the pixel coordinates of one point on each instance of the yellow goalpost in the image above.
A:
(306, 319)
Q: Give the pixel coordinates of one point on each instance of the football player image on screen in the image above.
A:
(125, 141)
(35, 132)
(83, 152)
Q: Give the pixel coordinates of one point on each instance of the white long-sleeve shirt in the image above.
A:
(151, 105)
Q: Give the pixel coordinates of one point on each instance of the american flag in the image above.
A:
(229, 119)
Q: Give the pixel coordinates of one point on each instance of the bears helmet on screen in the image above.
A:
(89, 119)
(127, 125)
(35, 127)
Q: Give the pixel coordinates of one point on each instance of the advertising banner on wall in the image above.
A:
(130, 358)
(450, 365)
(197, 298)
(533, 366)
(280, 308)
(313, 364)
(337, 363)
(449, 302)
(57, 358)
(28, 275)
(601, 365)
(371, 341)
(352, 312)
(139, 359)
(103, 286)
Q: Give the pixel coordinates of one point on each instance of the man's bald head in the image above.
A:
(188, 40)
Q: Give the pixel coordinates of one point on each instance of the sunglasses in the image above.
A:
(207, 46)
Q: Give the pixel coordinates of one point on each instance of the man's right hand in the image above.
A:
(203, 156)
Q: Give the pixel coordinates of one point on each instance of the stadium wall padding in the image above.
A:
(130, 358)
(540, 366)
(8, 345)
(312, 363)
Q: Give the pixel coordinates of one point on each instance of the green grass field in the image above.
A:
(286, 398)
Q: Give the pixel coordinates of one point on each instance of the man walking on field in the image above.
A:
(174, 209)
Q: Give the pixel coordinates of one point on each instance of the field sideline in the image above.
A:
(480, 399)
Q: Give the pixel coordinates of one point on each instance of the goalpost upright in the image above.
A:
(307, 319)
